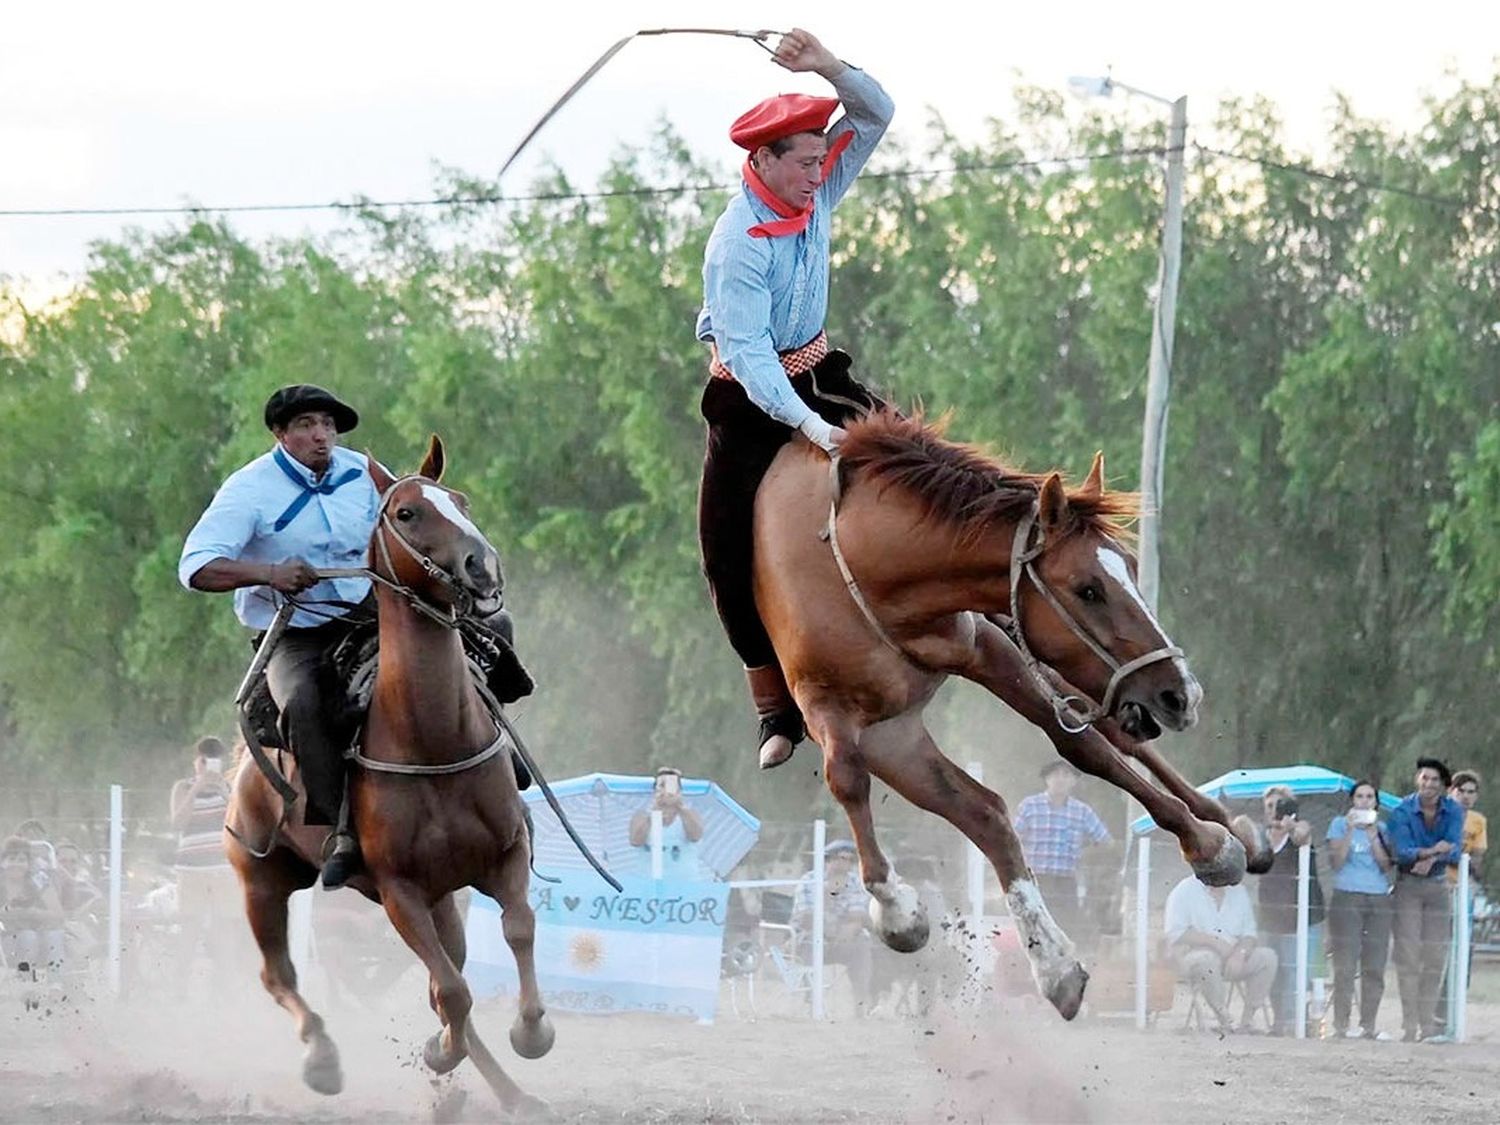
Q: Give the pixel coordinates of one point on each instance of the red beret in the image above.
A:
(781, 116)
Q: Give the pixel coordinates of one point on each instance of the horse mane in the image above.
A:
(962, 485)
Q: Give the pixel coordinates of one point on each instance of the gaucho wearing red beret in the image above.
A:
(765, 298)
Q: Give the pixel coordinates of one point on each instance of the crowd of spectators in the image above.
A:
(1393, 890)
(49, 904)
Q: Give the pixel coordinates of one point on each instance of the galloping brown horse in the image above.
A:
(913, 558)
(435, 804)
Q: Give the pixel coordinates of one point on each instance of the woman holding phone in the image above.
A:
(1360, 915)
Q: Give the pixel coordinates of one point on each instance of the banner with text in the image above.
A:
(654, 947)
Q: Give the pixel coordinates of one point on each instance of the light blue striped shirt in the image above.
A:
(767, 295)
(330, 531)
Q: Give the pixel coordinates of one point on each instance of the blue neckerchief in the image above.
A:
(308, 490)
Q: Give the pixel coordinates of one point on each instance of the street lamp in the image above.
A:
(1158, 382)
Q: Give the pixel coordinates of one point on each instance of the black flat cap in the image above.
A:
(303, 398)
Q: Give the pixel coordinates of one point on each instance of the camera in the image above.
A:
(1286, 807)
(1361, 818)
(213, 765)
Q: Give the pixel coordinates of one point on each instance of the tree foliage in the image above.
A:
(1330, 558)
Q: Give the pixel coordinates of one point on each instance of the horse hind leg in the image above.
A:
(268, 885)
(921, 773)
(895, 910)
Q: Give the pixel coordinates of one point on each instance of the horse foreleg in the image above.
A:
(1216, 855)
(532, 1034)
(895, 910)
(268, 884)
(450, 930)
(921, 773)
(1201, 805)
(415, 922)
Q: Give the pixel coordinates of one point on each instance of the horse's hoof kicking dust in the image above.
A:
(320, 1066)
(1226, 868)
(1066, 994)
(532, 1041)
(899, 917)
(439, 1059)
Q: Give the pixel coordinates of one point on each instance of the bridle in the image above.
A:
(1074, 713)
(461, 605)
(1023, 554)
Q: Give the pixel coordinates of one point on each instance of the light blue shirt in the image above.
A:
(330, 531)
(1361, 872)
(767, 295)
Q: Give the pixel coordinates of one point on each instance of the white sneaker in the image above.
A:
(1382, 1037)
(1355, 1033)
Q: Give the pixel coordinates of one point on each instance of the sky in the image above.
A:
(163, 102)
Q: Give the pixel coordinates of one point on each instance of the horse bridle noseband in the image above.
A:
(1074, 713)
(462, 604)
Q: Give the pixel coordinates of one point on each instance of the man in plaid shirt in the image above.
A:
(1054, 827)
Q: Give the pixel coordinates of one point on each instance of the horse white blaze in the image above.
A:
(1112, 560)
(440, 499)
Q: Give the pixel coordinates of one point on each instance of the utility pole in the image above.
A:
(1159, 380)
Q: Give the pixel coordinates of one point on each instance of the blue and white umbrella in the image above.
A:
(600, 807)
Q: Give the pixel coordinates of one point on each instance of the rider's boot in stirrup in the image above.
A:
(780, 720)
(342, 846)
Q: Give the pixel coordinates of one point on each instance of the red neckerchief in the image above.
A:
(792, 221)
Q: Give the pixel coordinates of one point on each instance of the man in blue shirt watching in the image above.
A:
(765, 297)
(306, 504)
(1426, 833)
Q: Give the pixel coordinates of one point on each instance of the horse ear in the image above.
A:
(383, 480)
(1052, 503)
(1093, 484)
(432, 464)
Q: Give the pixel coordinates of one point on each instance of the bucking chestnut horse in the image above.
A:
(908, 558)
(434, 796)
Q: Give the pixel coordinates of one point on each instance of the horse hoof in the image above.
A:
(1066, 993)
(1226, 868)
(775, 751)
(1257, 843)
(438, 1059)
(901, 919)
(320, 1066)
(532, 1040)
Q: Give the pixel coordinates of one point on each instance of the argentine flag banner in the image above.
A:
(654, 947)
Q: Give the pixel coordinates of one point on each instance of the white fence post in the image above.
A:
(820, 840)
(1142, 925)
(116, 881)
(299, 931)
(1458, 988)
(1304, 891)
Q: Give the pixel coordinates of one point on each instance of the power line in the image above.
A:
(496, 199)
(479, 199)
(1347, 181)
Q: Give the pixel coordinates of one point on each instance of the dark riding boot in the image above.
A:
(780, 720)
(343, 861)
(343, 858)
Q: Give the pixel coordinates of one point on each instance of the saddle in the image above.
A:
(348, 673)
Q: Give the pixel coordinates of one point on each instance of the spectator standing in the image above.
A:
(207, 890)
(31, 914)
(1426, 832)
(1054, 827)
(1465, 790)
(1278, 900)
(681, 827)
(1211, 935)
(846, 914)
(1359, 915)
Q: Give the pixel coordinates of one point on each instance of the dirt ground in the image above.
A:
(237, 1060)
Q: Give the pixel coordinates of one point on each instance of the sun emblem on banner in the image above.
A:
(586, 952)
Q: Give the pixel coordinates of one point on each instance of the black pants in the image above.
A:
(743, 440)
(303, 690)
(1359, 930)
